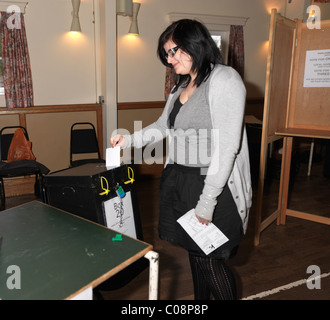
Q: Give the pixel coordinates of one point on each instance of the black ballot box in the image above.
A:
(103, 195)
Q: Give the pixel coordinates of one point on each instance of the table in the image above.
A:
(60, 255)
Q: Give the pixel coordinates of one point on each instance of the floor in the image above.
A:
(277, 269)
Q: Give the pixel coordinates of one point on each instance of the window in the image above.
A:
(217, 40)
(221, 38)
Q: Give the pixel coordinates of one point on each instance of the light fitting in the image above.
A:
(75, 26)
(134, 29)
(125, 7)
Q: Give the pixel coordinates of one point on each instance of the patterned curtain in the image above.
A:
(17, 75)
(236, 49)
(169, 81)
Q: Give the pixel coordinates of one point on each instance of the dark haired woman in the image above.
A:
(207, 167)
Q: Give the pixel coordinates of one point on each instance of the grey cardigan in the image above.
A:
(229, 161)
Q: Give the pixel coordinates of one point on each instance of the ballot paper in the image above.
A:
(208, 237)
(112, 157)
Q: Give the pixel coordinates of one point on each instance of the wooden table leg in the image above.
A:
(285, 178)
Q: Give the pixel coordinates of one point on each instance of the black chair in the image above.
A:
(17, 168)
(84, 142)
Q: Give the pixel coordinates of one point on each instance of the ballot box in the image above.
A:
(103, 195)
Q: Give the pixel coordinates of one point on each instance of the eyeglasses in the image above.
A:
(171, 53)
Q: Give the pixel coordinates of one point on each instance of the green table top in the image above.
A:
(59, 254)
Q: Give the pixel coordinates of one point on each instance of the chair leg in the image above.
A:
(3, 196)
(39, 187)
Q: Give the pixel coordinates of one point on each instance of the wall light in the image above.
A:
(125, 7)
(134, 29)
(75, 26)
(129, 8)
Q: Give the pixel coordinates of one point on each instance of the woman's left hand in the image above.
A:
(202, 220)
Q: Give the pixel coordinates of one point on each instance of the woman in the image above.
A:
(207, 167)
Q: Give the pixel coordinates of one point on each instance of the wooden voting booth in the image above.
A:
(297, 103)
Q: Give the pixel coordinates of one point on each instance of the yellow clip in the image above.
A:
(105, 190)
(130, 174)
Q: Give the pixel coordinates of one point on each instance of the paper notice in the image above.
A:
(119, 215)
(317, 69)
(207, 237)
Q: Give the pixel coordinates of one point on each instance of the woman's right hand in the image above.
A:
(117, 141)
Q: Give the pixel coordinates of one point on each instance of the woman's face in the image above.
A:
(181, 61)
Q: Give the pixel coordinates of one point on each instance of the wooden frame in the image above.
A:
(290, 109)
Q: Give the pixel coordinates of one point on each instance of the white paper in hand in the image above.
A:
(113, 157)
(208, 237)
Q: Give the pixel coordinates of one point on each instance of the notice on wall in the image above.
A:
(317, 69)
(119, 215)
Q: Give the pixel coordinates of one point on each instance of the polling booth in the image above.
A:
(296, 104)
(103, 195)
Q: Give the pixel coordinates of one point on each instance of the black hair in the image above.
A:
(193, 38)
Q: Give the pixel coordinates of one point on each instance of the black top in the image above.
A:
(174, 112)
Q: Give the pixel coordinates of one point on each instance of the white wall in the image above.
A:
(75, 70)
(141, 75)
(63, 64)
